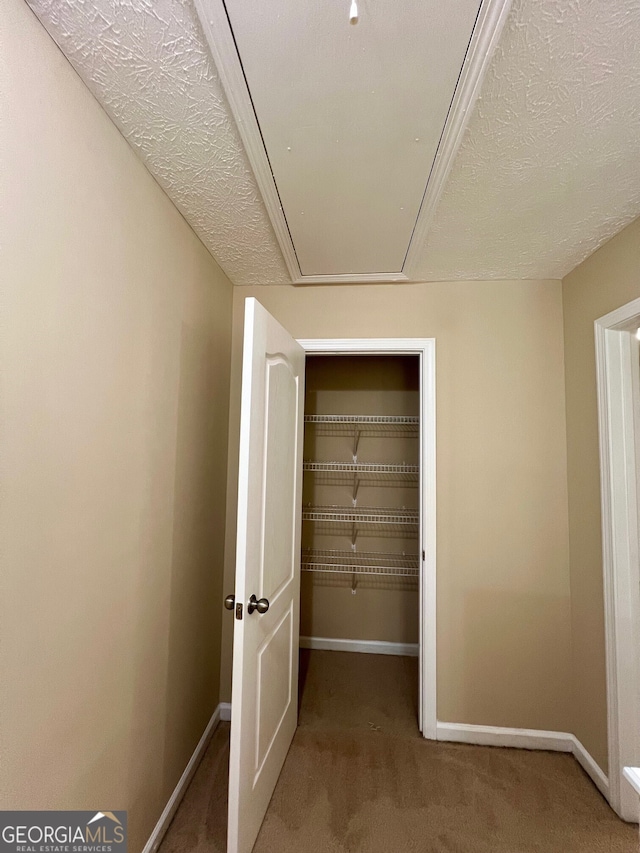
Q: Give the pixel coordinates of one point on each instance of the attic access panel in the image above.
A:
(351, 117)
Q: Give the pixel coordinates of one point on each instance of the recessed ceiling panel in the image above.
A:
(351, 117)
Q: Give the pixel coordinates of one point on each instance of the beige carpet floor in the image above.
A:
(359, 777)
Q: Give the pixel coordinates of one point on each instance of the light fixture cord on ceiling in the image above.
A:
(353, 12)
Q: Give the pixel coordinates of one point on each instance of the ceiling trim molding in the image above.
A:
(221, 43)
(219, 37)
(353, 278)
(484, 39)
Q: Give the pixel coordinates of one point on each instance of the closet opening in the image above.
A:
(362, 493)
(362, 549)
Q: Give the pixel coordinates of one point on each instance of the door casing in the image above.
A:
(618, 379)
(425, 349)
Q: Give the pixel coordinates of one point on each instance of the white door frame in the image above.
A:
(618, 382)
(425, 349)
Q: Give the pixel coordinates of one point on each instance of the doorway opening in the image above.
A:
(368, 535)
(266, 602)
(361, 547)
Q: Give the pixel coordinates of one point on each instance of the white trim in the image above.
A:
(353, 278)
(617, 381)
(179, 791)
(425, 348)
(501, 736)
(225, 711)
(367, 346)
(371, 647)
(484, 39)
(621, 317)
(526, 739)
(219, 37)
(428, 592)
(633, 775)
(217, 32)
(591, 767)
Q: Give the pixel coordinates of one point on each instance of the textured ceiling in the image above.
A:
(147, 63)
(548, 169)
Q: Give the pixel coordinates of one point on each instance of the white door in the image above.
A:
(265, 646)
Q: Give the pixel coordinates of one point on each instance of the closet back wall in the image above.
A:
(503, 571)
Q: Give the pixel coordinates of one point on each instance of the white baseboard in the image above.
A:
(499, 736)
(526, 739)
(371, 647)
(225, 711)
(591, 768)
(179, 791)
(632, 775)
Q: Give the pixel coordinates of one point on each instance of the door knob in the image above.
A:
(229, 602)
(261, 605)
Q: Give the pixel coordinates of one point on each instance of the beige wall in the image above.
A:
(115, 352)
(504, 613)
(607, 280)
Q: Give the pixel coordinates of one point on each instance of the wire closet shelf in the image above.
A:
(374, 424)
(364, 470)
(359, 563)
(362, 515)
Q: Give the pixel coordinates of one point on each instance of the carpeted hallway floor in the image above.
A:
(359, 777)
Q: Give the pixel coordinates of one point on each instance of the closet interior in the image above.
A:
(361, 503)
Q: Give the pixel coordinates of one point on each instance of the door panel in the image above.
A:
(279, 477)
(274, 685)
(265, 653)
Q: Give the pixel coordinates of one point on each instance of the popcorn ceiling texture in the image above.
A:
(549, 166)
(547, 172)
(148, 64)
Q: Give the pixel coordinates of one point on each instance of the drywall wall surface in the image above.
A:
(503, 578)
(607, 280)
(362, 606)
(115, 352)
